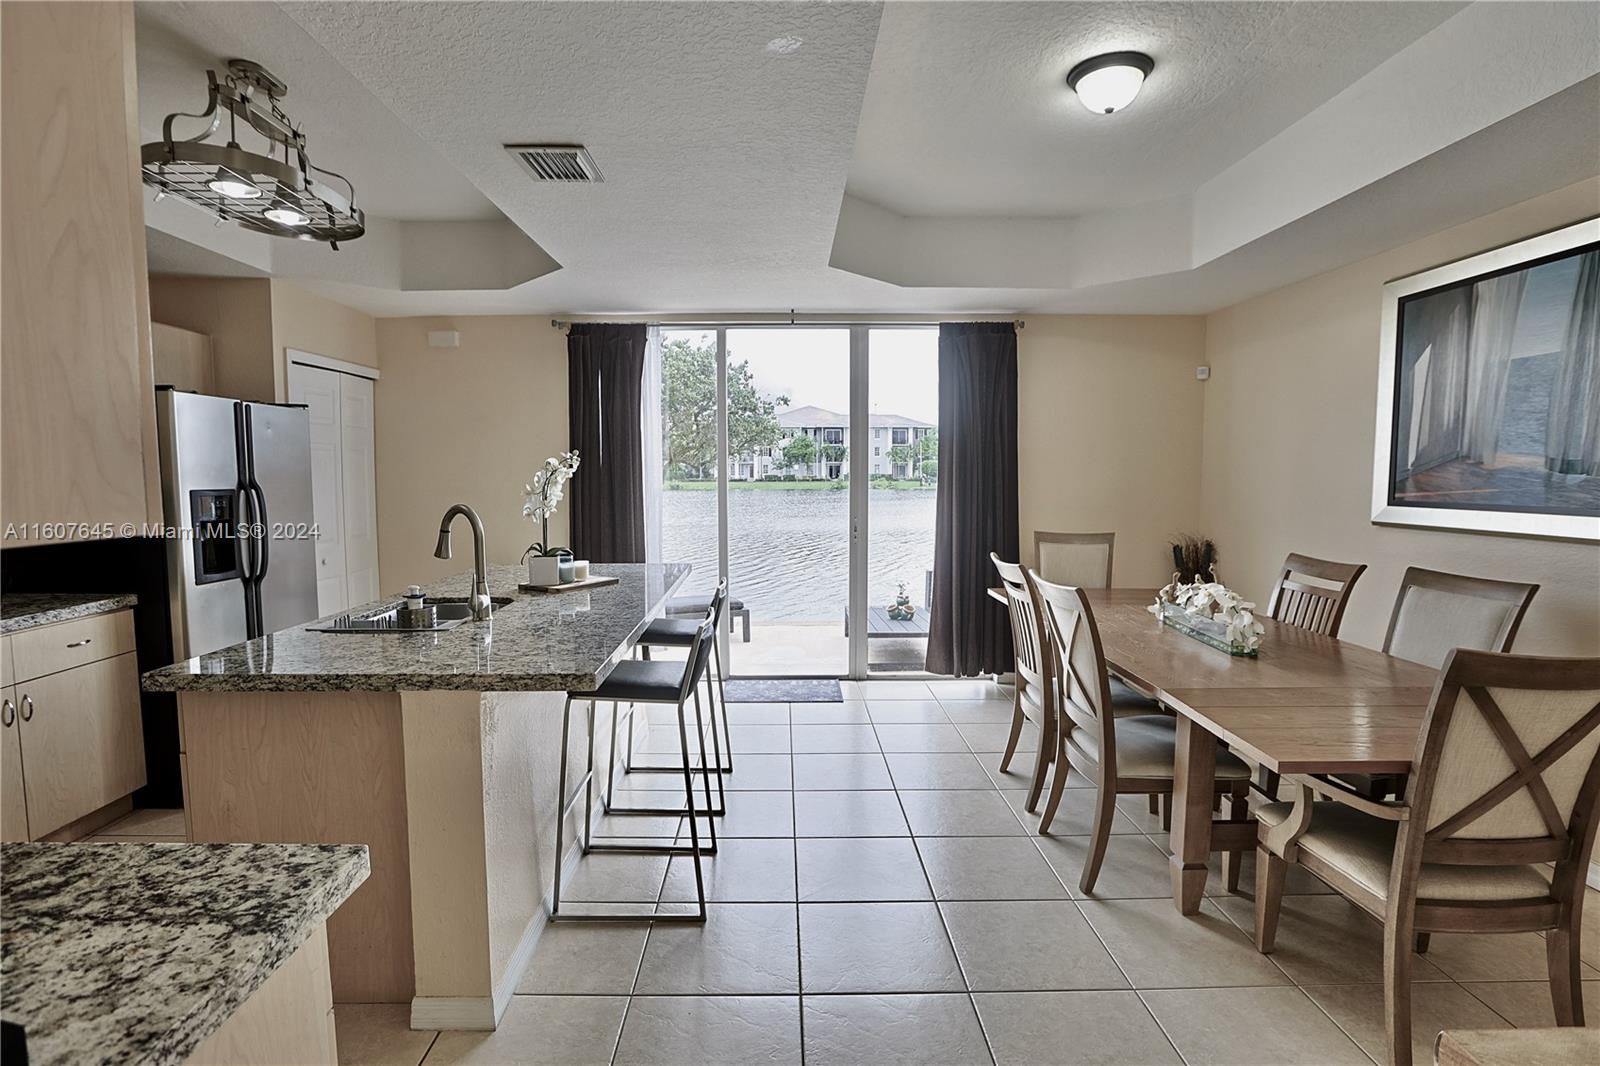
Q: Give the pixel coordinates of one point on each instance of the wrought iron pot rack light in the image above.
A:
(263, 193)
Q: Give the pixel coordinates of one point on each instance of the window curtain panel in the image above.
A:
(653, 429)
(1572, 436)
(605, 385)
(975, 512)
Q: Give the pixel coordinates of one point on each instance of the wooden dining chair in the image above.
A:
(1122, 755)
(1318, 604)
(1079, 559)
(1031, 696)
(1506, 778)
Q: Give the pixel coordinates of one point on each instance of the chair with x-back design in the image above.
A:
(1506, 778)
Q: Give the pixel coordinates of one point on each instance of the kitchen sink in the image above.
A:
(449, 612)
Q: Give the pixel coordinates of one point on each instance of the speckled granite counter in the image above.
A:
(537, 643)
(24, 610)
(138, 952)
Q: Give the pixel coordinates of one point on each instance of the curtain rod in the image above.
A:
(793, 320)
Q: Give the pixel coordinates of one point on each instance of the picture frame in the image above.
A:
(1488, 406)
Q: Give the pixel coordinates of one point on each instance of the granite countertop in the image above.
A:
(537, 642)
(24, 610)
(138, 952)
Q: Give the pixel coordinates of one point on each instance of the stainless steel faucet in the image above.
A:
(480, 575)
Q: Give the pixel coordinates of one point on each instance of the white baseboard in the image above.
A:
(520, 958)
(453, 1012)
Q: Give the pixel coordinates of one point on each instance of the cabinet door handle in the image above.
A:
(8, 713)
(81, 643)
(27, 708)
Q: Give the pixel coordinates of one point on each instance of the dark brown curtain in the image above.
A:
(605, 379)
(976, 509)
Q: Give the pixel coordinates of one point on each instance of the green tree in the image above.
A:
(835, 453)
(902, 454)
(927, 450)
(801, 451)
(689, 389)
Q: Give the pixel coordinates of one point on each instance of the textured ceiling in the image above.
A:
(967, 111)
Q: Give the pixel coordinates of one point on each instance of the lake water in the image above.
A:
(788, 549)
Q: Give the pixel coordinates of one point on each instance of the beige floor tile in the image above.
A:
(920, 737)
(980, 868)
(1020, 774)
(1133, 867)
(742, 949)
(907, 712)
(992, 736)
(851, 712)
(894, 690)
(149, 822)
(947, 770)
(615, 878)
(759, 740)
(876, 947)
(1087, 1028)
(860, 870)
(379, 1034)
(1589, 938)
(969, 689)
(849, 814)
(1074, 815)
(893, 1030)
(758, 814)
(558, 1030)
(585, 958)
(753, 772)
(1358, 1009)
(1251, 1027)
(1325, 940)
(1028, 945)
(1527, 1005)
(829, 773)
(1159, 948)
(1493, 957)
(742, 871)
(977, 712)
(1136, 810)
(959, 812)
(676, 1030)
(835, 739)
(758, 714)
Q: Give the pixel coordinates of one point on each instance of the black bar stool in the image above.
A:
(637, 682)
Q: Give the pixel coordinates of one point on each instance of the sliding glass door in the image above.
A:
(801, 462)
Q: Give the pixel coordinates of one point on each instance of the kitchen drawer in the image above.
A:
(49, 649)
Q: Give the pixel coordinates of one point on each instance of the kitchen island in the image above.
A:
(164, 953)
(438, 750)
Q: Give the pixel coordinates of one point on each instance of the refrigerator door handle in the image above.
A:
(266, 531)
(252, 570)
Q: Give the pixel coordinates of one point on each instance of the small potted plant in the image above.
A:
(901, 609)
(541, 496)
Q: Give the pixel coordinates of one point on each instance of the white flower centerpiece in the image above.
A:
(541, 496)
(1210, 612)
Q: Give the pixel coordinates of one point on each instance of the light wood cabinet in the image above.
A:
(76, 741)
(78, 436)
(288, 1019)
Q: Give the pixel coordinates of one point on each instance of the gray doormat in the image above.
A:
(784, 690)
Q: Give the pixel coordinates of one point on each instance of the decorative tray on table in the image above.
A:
(1205, 630)
(1211, 613)
(593, 581)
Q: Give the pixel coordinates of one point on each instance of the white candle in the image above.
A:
(580, 569)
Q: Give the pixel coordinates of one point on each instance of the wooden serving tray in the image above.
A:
(593, 581)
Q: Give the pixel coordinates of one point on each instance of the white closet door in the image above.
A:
(320, 390)
(360, 493)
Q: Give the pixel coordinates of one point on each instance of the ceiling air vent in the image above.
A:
(556, 162)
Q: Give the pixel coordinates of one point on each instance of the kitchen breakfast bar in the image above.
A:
(438, 750)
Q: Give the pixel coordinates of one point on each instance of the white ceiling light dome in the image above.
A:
(1108, 83)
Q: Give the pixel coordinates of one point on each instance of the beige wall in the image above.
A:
(236, 313)
(310, 323)
(468, 425)
(1289, 416)
(1108, 434)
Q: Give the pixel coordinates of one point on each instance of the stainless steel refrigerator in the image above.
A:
(236, 490)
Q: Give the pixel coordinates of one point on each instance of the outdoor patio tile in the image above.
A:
(950, 770)
(906, 712)
(743, 948)
(1527, 1005)
(876, 947)
(920, 737)
(1358, 1010)
(978, 711)
(894, 690)
(1074, 816)
(984, 868)
(893, 1031)
(1028, 945)
(585, 958)
(673, 1030)
(539, 1030)
(759, 740)
(1251, 1027)
(992, 736)
(742, 871)
(834, 772)
(1325, 940)
(1159, 948)
(851, 712)
(860, 870)
(953, 812)
(854, 813)
(834, 739)
(1099, 1028)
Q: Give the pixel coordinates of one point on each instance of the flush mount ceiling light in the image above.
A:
(261, 192)
(1109, 82)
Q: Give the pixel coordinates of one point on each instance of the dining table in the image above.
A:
(1303, 704)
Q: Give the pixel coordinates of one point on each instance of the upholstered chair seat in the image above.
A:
(1147, 747)
(1127, 701)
